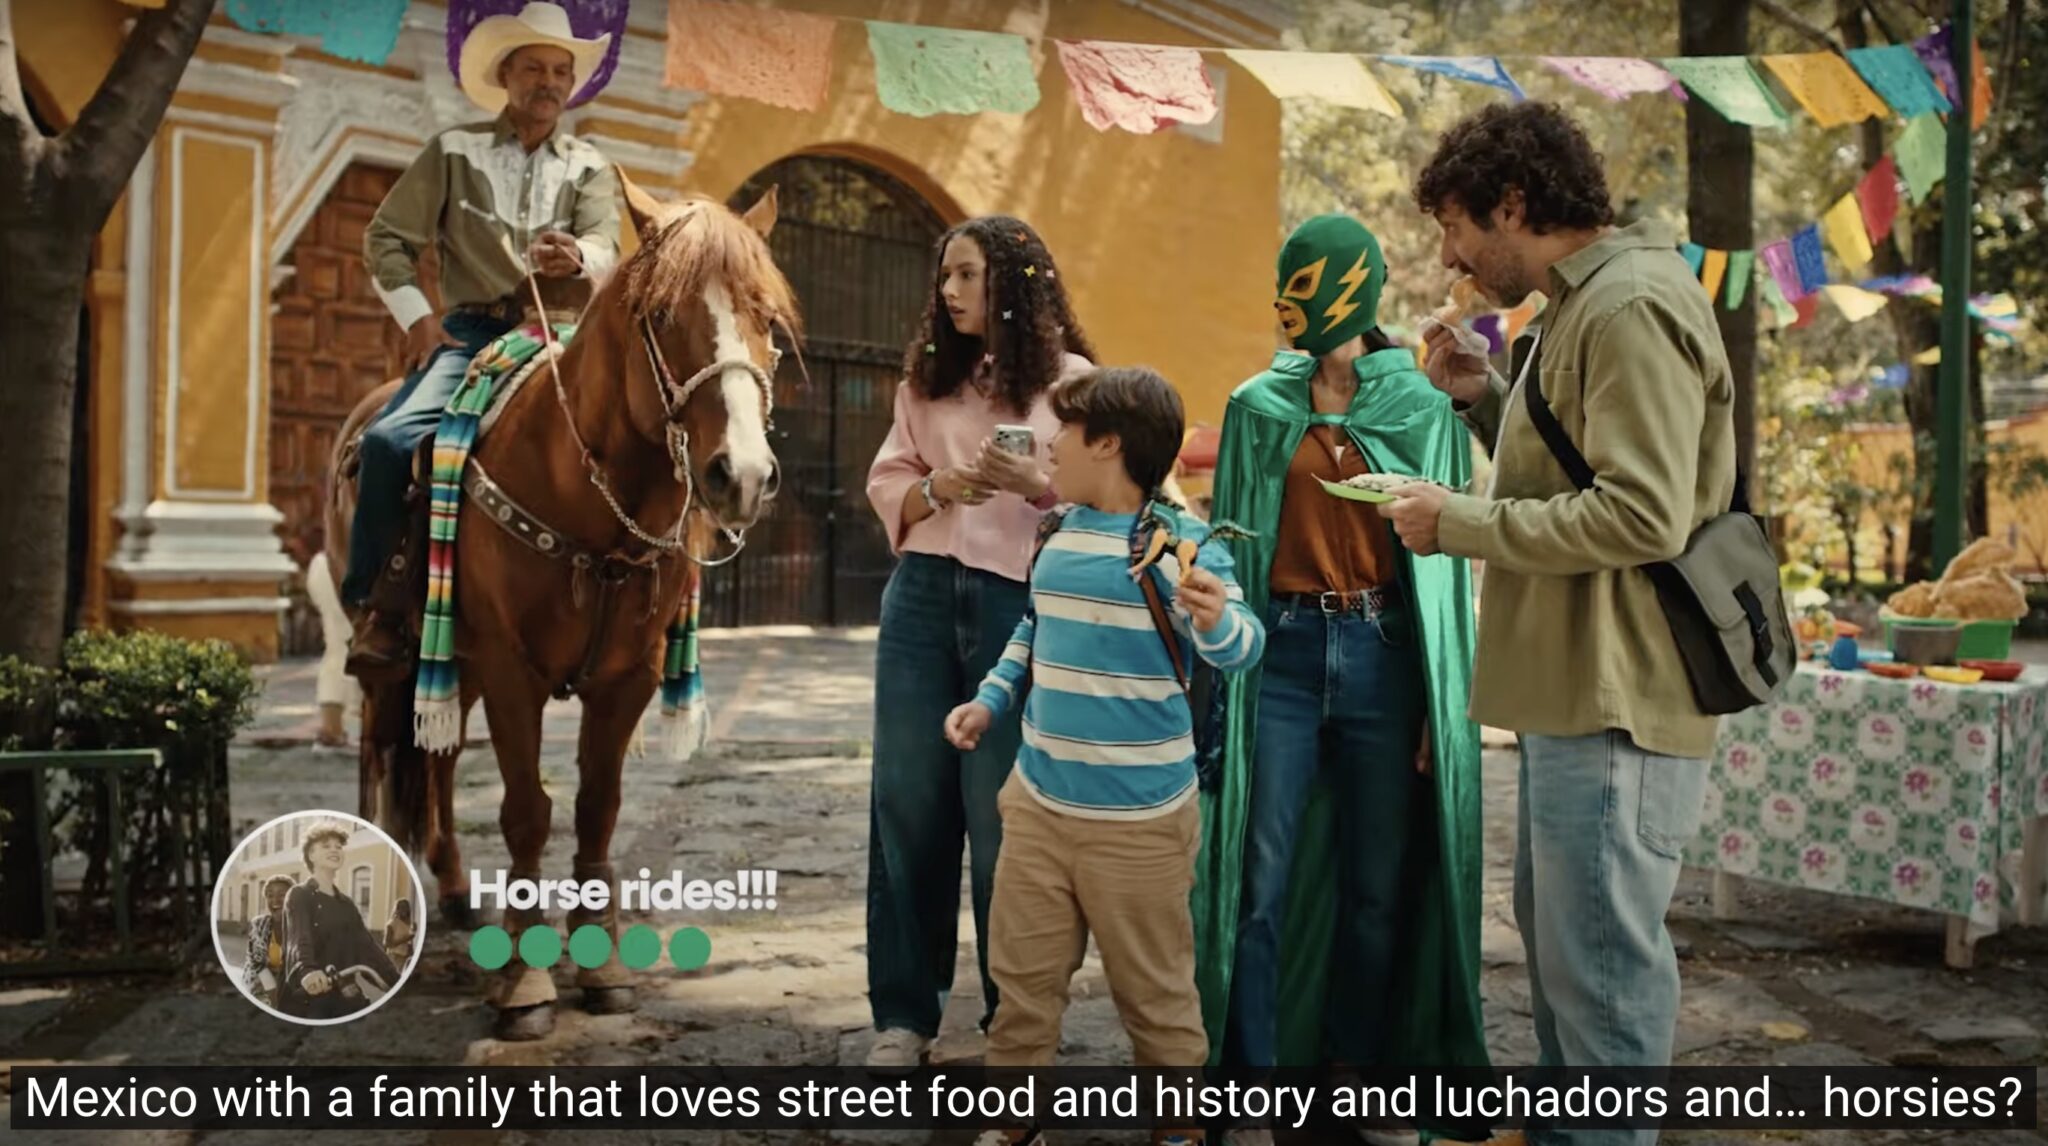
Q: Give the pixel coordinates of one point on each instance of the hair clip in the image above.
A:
(931, 348)
(1030, 271)
(988, 358)
(1006, 315)
(1051, 274)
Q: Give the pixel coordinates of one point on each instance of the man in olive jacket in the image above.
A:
(1574, 652)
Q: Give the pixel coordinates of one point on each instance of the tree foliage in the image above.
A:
(1364, 163)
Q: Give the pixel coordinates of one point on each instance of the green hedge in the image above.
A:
(185, 698)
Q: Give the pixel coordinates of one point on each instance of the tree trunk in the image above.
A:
(44, 286)
(1848, 521)
(55, 195)
(1720, 165)
(1916, 327)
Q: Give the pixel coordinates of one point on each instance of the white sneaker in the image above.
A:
(1249, 1136)
(898, 1049)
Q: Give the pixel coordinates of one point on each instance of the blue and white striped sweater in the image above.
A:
(1107, 732)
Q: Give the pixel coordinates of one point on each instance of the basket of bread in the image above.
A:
(1977, 592)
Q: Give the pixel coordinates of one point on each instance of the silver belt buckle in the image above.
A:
(1323, 601)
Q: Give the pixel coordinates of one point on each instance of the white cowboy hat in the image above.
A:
(500, 36)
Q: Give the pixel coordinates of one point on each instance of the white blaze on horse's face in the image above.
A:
(742, 490)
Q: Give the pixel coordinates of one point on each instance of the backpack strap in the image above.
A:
(1047, 526)
(1155, 601)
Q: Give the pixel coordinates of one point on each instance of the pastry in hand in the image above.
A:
(1465, 302)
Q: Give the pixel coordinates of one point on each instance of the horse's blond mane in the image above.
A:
(699, 243)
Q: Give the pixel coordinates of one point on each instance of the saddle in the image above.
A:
(401, 586)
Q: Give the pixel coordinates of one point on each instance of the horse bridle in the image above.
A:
(674, 398)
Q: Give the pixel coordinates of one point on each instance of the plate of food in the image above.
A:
(1375, 488)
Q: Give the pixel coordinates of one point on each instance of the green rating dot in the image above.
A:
(689, 949)
(540, 946)
(490, 947)
(590, 946)
(639, 947)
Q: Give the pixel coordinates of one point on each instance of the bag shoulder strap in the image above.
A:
(1155, 602)
(1575, 465)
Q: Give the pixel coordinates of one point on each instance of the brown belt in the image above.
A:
(1368, 602)
(508, 309)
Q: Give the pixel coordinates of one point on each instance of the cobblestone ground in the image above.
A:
(786, 788)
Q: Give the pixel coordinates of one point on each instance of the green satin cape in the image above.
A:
(1403, 425)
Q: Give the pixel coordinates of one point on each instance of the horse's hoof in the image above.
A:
(610, 1000)
(458, 914)
(525, 1024)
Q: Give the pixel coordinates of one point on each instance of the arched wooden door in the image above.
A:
(856, 244)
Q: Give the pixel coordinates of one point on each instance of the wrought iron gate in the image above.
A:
(856, 244)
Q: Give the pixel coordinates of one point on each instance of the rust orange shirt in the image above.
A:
(1326, 543)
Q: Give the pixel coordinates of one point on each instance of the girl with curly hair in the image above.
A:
(961, 513)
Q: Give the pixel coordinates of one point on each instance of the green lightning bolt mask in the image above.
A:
(1330, 277)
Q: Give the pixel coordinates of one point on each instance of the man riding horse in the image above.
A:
(477, 194)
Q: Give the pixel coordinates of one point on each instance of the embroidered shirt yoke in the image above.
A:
(481, 198)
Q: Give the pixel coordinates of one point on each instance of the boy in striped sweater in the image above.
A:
(1100, 818)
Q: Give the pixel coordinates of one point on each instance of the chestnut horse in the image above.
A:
(650, 443)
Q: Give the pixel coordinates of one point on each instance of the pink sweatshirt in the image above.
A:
(994, 536)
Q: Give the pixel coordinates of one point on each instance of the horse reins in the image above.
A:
(674, 397)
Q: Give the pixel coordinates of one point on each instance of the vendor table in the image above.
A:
(1912, 792)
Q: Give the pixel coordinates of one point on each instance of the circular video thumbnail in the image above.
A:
(316, 917)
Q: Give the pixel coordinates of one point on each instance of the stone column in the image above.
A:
(198, 554)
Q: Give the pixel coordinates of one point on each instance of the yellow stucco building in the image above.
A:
(231, 325)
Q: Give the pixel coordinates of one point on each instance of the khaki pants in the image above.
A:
(1060, 876)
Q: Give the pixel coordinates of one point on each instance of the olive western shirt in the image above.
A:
(1572, 640)
(481, 199)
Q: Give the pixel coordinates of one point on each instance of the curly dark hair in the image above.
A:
(1533, 147)
(1030, 323)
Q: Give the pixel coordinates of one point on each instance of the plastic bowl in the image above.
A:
(1926, 644)
(1999, 671)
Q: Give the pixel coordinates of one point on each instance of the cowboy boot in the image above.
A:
(608, 987)
(378, 650)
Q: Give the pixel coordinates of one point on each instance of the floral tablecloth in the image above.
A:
(1911, 792)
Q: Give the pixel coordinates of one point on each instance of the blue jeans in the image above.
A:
(943, 627)
(389, 444)
(1342, 695)
(1600, 827)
